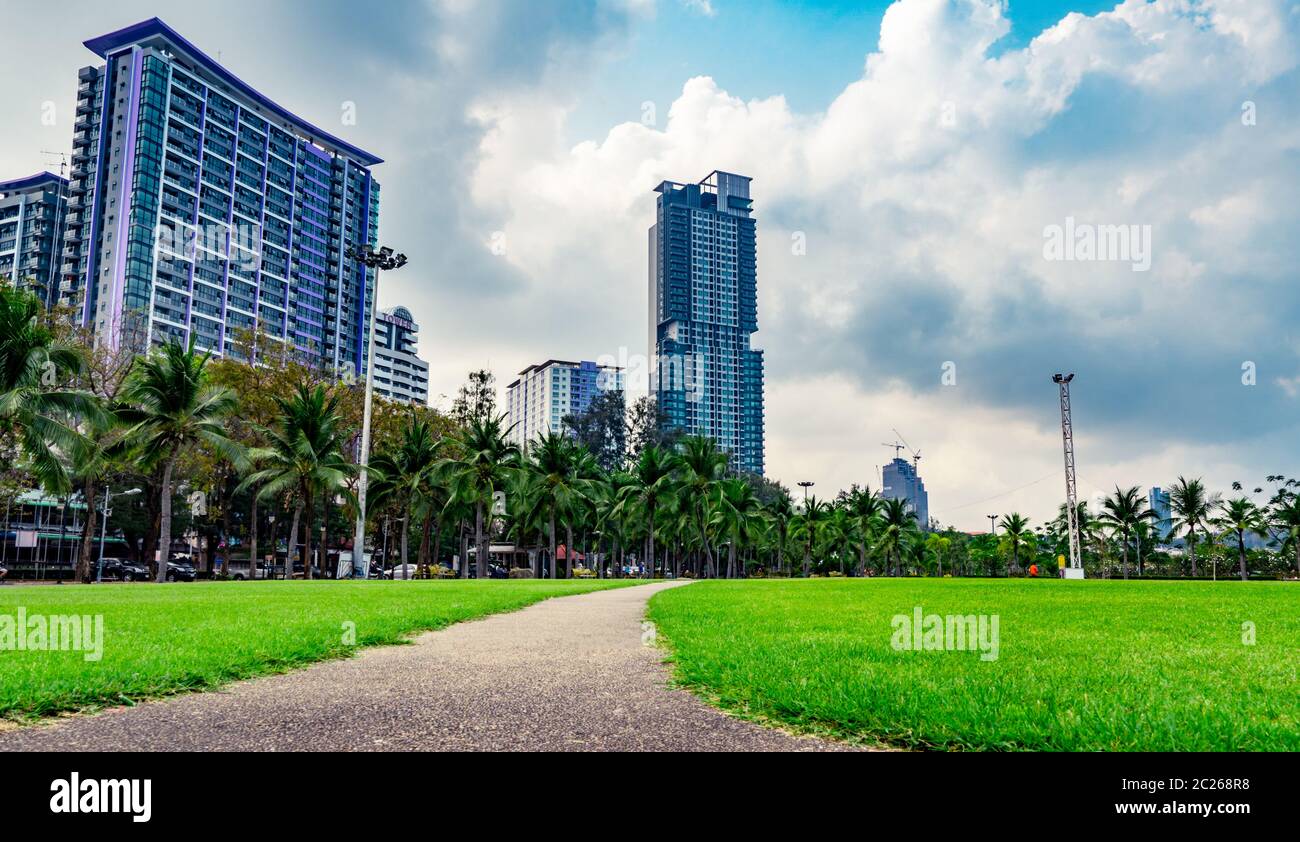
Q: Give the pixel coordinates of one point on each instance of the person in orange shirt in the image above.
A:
(1033, 571)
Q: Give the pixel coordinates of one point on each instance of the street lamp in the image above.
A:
(103, 527)
(381, 261)
(805, 485)
(993, 525)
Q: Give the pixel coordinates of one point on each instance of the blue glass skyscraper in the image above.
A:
(703, 312)
(198, 208)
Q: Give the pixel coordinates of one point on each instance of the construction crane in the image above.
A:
(916, 454)
(898, 447)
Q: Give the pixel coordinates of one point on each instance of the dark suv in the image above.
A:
(123, 570)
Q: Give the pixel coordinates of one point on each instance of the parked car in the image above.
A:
(402, 571)
(181, 571)
(123, 570)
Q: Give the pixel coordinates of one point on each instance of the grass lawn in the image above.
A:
(1087, 665)
(162, 639)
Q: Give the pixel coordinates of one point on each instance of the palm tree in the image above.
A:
(781, 512)
(1285, 519)
(1191, 507)
(1122, 512)
(402, 475)
(1239, 516)
(172, 407)
(864, 507)
(484, 463)
(701, 466)
(808, 527)
(736, 518)
(552, 463)
(652, 478)
(1016, 536)
(897, 527)
(304, 458)
(34, 365)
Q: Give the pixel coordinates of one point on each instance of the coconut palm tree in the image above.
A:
(1122, 512)
(552, 462)
(1016, 536)
(898, 526)
(1237, 517)
(781, 512)
(402, 475)
(171, 407)
(652, 479)
(808, 527)
(1191, 507)
(1285, 520)
(484, 462)
(864, 506)
(736, 518)
(35, 403)
(303, 458)
(700, 467)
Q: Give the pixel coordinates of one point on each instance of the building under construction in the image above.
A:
(900, 481)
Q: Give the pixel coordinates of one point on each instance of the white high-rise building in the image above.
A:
(399, 374)
(545, 394)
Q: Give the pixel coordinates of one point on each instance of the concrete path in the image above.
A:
(565, 674)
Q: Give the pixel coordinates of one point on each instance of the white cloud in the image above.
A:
(923, 191)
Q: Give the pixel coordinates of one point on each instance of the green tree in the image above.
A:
(1239, 517)
(1122, 512)
(483, 464)
(1191, 507)
(171, 408)
(1017, 537)
(303, 459)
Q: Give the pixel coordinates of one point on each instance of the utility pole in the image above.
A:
(1074, 566)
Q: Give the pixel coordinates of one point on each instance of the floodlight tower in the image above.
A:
(1074, 568)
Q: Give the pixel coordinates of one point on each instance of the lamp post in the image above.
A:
(103, 527)
(993, 525)
(805, 485)
(383, 260)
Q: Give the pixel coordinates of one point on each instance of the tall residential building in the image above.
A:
(400, 375)
(31, 232)
(545, 394)
(707, 380)
(1158, 501)
(900, 481)
(200, 208)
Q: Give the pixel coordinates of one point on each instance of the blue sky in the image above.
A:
(806, 51)
(922, 149)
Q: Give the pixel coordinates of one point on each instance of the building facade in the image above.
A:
(707, 378)
(31, 232)
(1158, 501)
(900, 481)
(199, 208)
(545, 394)
(400, 375)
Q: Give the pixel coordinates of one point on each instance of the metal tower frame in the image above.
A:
(1071, 479)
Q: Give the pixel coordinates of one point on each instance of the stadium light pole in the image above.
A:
(383, 260)
(805, 485)
(993, 525)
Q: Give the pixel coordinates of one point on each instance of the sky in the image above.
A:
(915, 167)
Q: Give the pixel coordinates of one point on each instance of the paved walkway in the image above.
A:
(564, 674)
